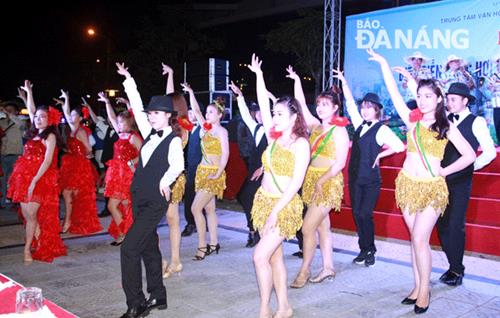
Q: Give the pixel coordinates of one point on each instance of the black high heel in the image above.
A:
(409, 301)
(213, 248)
(421, 310)
(205, 250)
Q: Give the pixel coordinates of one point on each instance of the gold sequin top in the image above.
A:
(329, 150)
(432, 146)
(211, 145)
(283, 160)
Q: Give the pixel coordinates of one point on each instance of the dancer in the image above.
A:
(180, 107)
(421, 190)
(160, 163)
(454, 71)
(120, 171)
(364, 170)
(324, 183)
(34, 180)
(277, 208)
(210, 179)
(253, 180)
(78, 176)
(451, 227)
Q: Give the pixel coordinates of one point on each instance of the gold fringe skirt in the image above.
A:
(178, 189)
(333, 189)
(213, 186)
(289, 219)
(417, 193)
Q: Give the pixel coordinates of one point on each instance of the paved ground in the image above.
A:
(87, 281)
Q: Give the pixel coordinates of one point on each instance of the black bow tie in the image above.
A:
(453, 117)
(155, 132)
(369, 123)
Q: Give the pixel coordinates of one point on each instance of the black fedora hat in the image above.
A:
(160, 103)
(373, 98)
(462, 90)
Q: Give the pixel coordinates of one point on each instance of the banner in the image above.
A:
(469, 29)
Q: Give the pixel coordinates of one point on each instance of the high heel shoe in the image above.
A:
(170, 270)
(420, 310)
(213, 248)
(65, 228)
(284, 313)
(205, 250)
(28, 259)
(300, 281)
(320, 278)
(409, 301)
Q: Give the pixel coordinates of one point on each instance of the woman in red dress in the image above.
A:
(78, 177)
(33, 184)
(121, 171)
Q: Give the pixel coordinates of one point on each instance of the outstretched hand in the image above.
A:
(187, 88)
(64, 95)
(403, 71)
(22, 95)
(255, 65)
(122, 70)
(375, 56)
(27, 87)
(57, 101)
(236, 90)
(124, 101)
(292, 74)
(102, 97)
(339, 75)
(166, 69)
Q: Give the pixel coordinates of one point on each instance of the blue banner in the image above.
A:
(468, 29)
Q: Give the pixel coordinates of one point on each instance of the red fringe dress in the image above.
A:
(118, 181)
(78, 174)
(49, 244)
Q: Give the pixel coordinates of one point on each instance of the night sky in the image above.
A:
(48, 44)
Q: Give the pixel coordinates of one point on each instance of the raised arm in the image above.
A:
(27, 88)
(135, 99)
(91, 111)
(242, 106)
(410, 81)
(167, 70)
(298, 93)
(351, 106)
(124, 101)
(262, 95)
(392, 87)
(109, 110)
(66, 110)
(194, 103)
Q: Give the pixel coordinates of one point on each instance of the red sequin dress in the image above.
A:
(118, 181)
(48, 244)
(79, 175)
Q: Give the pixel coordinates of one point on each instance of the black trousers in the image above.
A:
(496, 121)
(245, 198)
(189, 194)
(141, 244)
(451, 226)
(364, 197)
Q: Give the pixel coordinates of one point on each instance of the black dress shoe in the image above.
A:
(409, 301)
(136, 312)
(453, 279)
(421, 310)
(104, 213)
(299, 254)
(188, 230)
(153, 303)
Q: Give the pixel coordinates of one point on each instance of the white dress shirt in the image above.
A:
(175, 151)
(384, 134)
(249, 121)
(482, 134)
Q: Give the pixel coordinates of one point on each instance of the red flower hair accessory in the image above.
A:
(54, 116)
(339, 121)
(275, 134)
(85, 112)
(416, 115)
(185, 123)
(207, 126)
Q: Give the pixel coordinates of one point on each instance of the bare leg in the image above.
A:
(212, 221)
(29, 211)
(201, 199)
(279, 280)
(264, 250)
(174, 233)
(325, 244)
(421, 235)
(115, 211)
(68, 198)
(410, 221)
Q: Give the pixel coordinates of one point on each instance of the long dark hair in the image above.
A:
(441, 125)
(299, 128)
(52, 129)
(174, 123)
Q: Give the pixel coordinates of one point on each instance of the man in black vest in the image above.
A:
(193, 159)
(160, 163)
(451, 227)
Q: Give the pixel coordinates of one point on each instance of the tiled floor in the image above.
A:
(87, 281)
